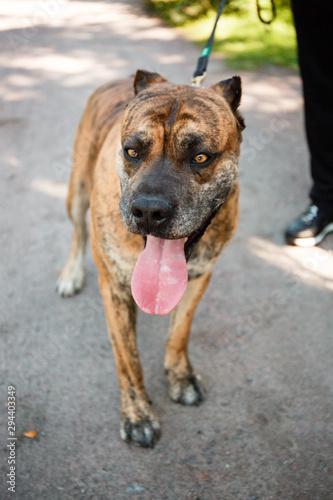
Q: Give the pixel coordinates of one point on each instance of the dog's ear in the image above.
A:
(144, 79)
(231, 90)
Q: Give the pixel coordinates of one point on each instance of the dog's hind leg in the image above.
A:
(71, 278)
(184, 385)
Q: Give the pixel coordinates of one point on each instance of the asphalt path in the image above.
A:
(262, 335)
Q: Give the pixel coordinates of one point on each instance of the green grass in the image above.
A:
(246, 43)
(241, 38)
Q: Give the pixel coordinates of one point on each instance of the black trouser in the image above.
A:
(314, 27)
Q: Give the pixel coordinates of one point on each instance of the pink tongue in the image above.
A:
(160, 276)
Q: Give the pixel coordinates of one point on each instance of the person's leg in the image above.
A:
(313, 22)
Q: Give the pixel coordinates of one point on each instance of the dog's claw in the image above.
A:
(187, 390)
(143, 432)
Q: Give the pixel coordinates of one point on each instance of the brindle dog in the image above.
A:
(155, 162)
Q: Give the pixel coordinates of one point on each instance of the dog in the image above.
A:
(157, 163)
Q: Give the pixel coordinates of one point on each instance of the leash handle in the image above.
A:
(273, 12)
(201, 70)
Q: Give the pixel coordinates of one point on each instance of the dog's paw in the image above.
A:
(187, 390)
(70, 281)
(142, 432)
(69, 287)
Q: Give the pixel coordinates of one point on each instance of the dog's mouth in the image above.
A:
(193, 239)
(160, 276)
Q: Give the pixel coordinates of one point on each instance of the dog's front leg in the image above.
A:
(138, 422)
(184, 385)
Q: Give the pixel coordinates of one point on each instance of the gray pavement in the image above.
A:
(262, 336)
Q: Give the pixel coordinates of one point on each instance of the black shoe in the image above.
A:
(310, 228)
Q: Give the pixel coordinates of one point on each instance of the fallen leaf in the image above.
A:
(30, 434)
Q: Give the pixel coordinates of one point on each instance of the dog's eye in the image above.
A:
(131, 153)
(200, 159)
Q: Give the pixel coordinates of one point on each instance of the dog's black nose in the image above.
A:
(150, 212)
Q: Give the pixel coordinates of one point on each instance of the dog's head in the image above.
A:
(179, 157)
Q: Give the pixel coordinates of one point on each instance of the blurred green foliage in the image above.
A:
(241, 38)
(179, 12)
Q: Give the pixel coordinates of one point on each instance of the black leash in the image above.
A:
(201, 70)
(200, 73)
